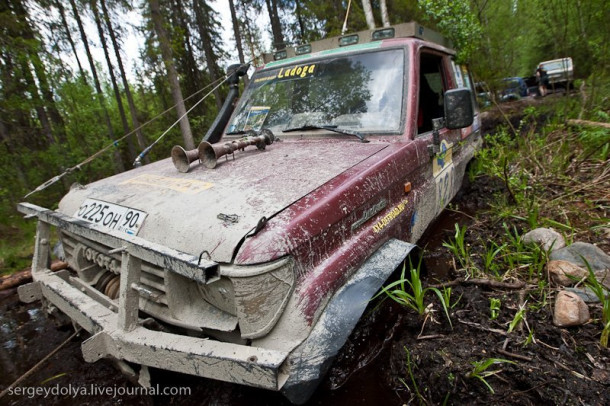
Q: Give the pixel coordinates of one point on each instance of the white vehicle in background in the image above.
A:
(560, 71)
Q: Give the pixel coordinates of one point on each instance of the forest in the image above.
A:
(78, 104)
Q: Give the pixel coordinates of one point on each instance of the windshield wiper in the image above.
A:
(332, 128)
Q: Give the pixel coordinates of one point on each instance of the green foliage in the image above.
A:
(498, 260)
(490, 265)
(546, 31)
(409, 292)
(494, 307)
(518, 318)
(457, 21)
(446, 293)
(16, 253)
(397, 290)
(480, 370)
(459, 248)
(603, 295)
(410, 369)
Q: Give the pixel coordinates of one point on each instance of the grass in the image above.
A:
(410, 292)
(494, 307)
(518, 318)
(481, 371)
(410, 371)
(16, 246)
(498, 259)
(545, 174)
(603, 295)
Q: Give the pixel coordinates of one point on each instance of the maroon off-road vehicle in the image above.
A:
(253, 265)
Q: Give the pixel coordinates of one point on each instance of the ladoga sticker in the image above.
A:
(391, 216)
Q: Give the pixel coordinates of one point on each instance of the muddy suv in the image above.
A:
(253, 265)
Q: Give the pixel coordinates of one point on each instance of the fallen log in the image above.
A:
(25, 276)
(481, 282)
(588, 123)
(16, 279)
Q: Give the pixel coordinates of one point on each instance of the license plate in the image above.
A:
(111, 216)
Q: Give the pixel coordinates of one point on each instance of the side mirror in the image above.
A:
(459, 112)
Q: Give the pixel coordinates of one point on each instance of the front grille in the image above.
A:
(168, 297)
(152, 277)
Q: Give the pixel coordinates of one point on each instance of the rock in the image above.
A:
(597, 259)
(564, 273)
(546, 237)
(570, 310)
(585, 294)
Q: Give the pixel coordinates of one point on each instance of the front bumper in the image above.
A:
(118, 333)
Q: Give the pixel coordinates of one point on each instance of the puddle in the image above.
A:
(437, 261)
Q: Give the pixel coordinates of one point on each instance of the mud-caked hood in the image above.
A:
(211, 210)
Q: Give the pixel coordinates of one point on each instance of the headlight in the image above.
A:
(261, 294)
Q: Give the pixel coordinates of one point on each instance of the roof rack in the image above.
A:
(404, 30)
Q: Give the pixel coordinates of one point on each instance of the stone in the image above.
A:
(597, 259)
(585, 294)
(547, 238)
(564, 273)
(570, 310)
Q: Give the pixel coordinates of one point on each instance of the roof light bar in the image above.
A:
(280, 55)
(384, 33)
(348, 40)
(303, 49)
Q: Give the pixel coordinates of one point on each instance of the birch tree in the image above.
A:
(368, 14)
(385, 18)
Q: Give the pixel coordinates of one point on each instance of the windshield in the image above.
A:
(362, 92)
(561, 64)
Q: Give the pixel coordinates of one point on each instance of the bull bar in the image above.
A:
(117, 331)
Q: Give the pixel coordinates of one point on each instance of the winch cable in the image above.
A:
(39, 364)
(138, 160)
(115, 143)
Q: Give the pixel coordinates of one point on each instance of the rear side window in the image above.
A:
(432, 86)
(463, 79)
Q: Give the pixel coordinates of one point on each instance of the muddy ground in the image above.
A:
(393, 357)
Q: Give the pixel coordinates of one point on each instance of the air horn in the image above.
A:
(208, 153)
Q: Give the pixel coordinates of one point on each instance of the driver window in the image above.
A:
(431, 90)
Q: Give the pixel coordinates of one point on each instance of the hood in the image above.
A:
(211, 210)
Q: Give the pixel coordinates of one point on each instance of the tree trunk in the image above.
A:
(276, 25)
(172, 75)
(250, 33)
(201, 17)
(236, 32)
(38, 103)
(118, 163)
(64, 23)
(299, 15)
(187, 64)
(115, 86)
(132, 106)
(385, 18)
(368, 14)
(41, 76)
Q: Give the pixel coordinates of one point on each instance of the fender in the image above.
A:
(309, 362)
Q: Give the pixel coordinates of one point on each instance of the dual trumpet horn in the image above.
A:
(208, 153)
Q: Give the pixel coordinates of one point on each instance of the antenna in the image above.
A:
(344, 29)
